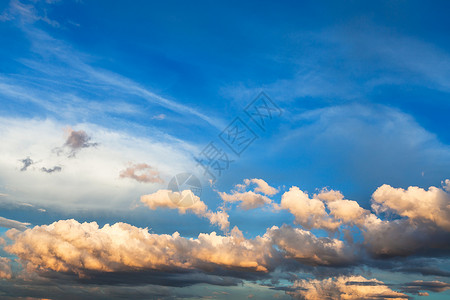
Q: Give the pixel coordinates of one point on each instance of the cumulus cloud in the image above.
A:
(343, 287)
(5, 268)
(250, 199)
(121, 247)
(262, 186)
(184, 201)
(81, 248)
(432, 205)
(301, 245)
(142, 173)
(219, 218)
(68, 246)
(308, 212)
(423, 228)
(343, 210)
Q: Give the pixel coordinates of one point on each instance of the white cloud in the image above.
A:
(250, 199)
(262, 186)
(68, 246)
(185, 201)
(308, 212)
(96, 169)
(301, 245)
(432, 205)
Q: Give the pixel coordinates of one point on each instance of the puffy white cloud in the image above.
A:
(248, 200)
(432, 205)
(68, 246)
(423, 228)
(347, 211)
(305, 247)
(262, 186)
(308, 212)
(185, 201)
(219, 218)
(344, 287)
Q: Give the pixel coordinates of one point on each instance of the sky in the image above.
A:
(217, 150)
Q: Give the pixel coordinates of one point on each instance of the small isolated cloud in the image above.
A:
(76, 141)
(250, 199)
(262, 186)
(26, 163)
(51, 170)
(7, 223)
(142, 173)
(343, 287)
(446, 185)
(159, 117)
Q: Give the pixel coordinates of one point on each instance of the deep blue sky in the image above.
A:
(364, 88)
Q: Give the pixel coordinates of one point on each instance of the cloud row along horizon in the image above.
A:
(224, 150)
(356, 237)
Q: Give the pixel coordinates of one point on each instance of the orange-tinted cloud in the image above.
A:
(142, 173)
(344, 287)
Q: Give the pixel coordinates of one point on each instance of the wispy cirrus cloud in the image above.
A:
(68, 68)
(8, 223)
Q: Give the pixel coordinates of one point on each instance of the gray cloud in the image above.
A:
(418, 286)
(51, 170)
(26, 163)
(76, 141)
(7, 223)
